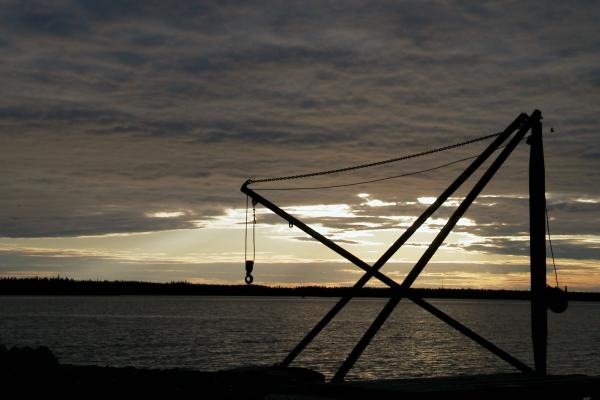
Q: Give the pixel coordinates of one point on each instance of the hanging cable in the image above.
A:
(374, 164)
(551, 249)
(250, 263)
(378, 179)
(556, 299)
(253, 230)
(371, 180)
(246, 231)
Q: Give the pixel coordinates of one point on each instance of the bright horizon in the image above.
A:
(288, 257)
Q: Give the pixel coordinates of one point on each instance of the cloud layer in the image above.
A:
(115, 111)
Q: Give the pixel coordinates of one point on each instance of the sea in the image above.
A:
(216, 333)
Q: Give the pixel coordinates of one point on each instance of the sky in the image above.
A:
(127, 129)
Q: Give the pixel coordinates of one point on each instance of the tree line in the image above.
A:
(66, 286)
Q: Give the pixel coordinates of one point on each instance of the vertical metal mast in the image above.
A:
(537, 237)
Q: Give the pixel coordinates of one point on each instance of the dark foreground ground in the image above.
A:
(35, 373)
(27, 372)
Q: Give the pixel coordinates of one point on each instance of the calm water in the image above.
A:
(211, 333)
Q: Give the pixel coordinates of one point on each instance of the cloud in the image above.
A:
(576, 248)
(117, 111)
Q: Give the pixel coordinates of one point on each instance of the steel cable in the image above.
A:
(373, 164)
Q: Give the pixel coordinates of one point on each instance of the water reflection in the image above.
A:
(212, 333)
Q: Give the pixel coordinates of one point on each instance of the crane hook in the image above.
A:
(249, 267)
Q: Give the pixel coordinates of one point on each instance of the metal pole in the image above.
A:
(420, 265)
(405, 236)
(537, 237)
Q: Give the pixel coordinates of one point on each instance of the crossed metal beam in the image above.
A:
(522, 124)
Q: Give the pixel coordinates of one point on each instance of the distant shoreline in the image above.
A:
(71, 287)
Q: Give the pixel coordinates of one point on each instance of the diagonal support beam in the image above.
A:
(437, 242)
(405, 236)
(470, 334)
(307, 229)
(388, 281)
